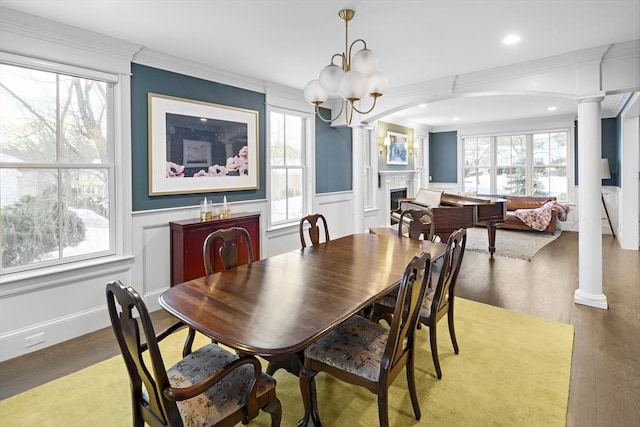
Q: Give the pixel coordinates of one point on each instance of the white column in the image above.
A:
(589, 203)
(358, 141)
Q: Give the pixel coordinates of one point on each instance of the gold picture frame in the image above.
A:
(200, 147)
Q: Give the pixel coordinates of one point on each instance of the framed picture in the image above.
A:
(396, 148)
(200, 147)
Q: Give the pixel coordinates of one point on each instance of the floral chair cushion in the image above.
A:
(224, 397)
(355, 346)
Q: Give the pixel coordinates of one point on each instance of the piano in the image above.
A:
(456, 211)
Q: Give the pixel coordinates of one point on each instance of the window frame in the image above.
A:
(114, 125)
(305, 167)
(529, 166)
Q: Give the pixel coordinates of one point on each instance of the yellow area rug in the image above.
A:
(513, 370)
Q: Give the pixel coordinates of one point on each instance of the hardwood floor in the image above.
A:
(605, 373)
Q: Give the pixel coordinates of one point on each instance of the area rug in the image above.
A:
(512, 370)
(510, 243)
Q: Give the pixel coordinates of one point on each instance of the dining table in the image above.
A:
(277, 306)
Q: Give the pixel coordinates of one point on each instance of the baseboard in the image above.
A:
(56, 331)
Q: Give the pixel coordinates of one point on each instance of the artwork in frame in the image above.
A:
(200, 147)
(397, 149)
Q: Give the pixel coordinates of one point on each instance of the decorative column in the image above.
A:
(589, 199)
(358, 141)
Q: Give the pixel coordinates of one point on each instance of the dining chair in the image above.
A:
(314, 229)
(412, 223)
(366, 354)
(210, 386)
(228, 255)
(438, 301)
(229, 250)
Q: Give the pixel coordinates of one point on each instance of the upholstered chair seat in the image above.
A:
(355, 346)
(225, 397)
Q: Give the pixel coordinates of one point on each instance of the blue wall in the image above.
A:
(148, 79)
(611, 148)
(333, 157)
(443, 156)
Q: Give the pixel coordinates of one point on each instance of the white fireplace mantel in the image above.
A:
(392, 180)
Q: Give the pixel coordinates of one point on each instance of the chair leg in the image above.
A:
(452, 330)
(383, 406)
(274, 408)
(411, 383)
(434, 348)
(186, 350)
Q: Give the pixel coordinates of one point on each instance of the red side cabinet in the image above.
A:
(187, 238)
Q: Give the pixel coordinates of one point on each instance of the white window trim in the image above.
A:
(120, 179)
(308, 168)
(570, 155)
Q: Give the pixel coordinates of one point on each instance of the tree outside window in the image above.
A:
(54, 167)
(521, 164)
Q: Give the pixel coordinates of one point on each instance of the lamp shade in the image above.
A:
(605, 173)
(330, 77)
(314, 93)
(365, 61)
(377, 84)
(353, 86)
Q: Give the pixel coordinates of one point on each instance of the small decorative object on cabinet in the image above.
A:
(187, 238)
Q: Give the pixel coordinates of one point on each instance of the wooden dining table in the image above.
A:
(281, 304)
(277, 306)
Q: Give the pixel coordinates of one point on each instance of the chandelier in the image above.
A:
(351, 78)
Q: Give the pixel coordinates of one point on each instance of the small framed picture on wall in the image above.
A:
(397, 153)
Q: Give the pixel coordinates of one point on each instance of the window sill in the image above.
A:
(28, 281)
(283, 227)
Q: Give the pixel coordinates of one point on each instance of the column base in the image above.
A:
(592, 300)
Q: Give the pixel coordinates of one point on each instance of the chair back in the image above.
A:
(314, 230)
(124, 305)
(417, 223)
(405, 315)
(229, 250)
(443, 296)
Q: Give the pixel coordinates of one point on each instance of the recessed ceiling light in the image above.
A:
(455, 119)
(511, 39)
(422, 105)
(553, 108)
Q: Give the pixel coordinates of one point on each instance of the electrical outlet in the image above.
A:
(34, 340)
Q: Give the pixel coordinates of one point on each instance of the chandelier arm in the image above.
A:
(375, 98)
(351, 47)
(349, 113)
(330, 119)
(341, 55)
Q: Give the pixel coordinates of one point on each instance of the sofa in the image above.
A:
(513, 222)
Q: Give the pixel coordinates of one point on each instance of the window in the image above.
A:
(511, 164)
(550, 164)
(287, 141)
(477, 165)
(56, 167)
(369, 148)
(524, 163)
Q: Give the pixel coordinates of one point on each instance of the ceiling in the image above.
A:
(288, 42)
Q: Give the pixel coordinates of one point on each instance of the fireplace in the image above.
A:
(397, 193)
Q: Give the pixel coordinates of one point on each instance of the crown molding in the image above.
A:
(153, 58)
(38, 36)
